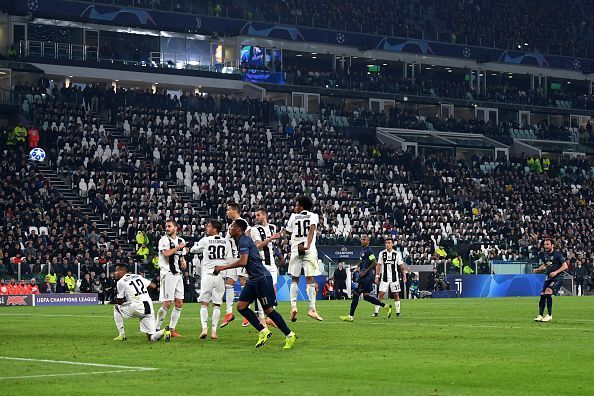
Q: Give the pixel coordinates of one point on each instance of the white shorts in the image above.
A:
(172, 287)
(236, 273)
(393, 286)
(212, 289)
(273, 272)
(308, 261)
(139, 310)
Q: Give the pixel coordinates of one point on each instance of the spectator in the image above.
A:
(3, 287)
(328, 289)
(340, 278)
(189, 288)
(33, 287)
(47, 286)
(61, 286)
(12, 287)
(70, 281)
(86, 284)
(98, 288)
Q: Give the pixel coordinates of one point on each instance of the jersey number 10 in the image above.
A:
(216, 252)
(302, 228)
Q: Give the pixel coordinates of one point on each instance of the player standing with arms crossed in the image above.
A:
(171, 263)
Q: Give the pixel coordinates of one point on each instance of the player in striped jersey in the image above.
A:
(215, 250)
(391, 267)
(133, 301)
(234, 274)
(264, 235)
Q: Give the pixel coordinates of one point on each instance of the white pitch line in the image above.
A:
(67, 374)
(503, 326)
(56, 315)
(127, 368)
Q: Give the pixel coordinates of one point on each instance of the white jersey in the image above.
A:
(298, 226)
(215, 250)
(170, 265)
(134, 289)
(260, 233)
(390, 263)
(233, 245)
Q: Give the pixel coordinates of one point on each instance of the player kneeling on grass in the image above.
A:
(554, 265)
(258, 286)
(367, 266)
(215, 250)
(133, 301)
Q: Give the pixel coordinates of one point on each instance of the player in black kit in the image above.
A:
(554, 264)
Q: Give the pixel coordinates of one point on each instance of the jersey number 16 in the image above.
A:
(302, 228)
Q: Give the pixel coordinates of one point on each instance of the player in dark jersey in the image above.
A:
(258, 286)
(554, 264)
(367, 268)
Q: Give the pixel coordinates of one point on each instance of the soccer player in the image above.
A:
(133, 301)
(215, 250)
(367, 266)
(233, 213)
(171, 263)
(554, 264)
(263, 235)
(391, 266)
(302, 226)
(258, 286)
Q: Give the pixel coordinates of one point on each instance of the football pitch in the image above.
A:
(437, 347)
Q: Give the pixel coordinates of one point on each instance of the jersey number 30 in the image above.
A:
(302, 228)
(216, 252)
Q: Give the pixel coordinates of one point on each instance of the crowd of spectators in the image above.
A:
(170, 155)
(439, 86)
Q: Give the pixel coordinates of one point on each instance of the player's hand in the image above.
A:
(218, 269)
(181, 246)
(183, 265)
(275, 236)
(376, 281)
(301, 249)
(552, 274)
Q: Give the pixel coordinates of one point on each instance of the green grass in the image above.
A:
(438, 347)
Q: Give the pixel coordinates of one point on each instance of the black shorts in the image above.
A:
(261, 289)
(364, 286)
(553, 284)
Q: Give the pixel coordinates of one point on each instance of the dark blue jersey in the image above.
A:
(366, 260)
(553, 261)
(255, 268)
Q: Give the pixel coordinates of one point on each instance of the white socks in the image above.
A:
(161, 317)
(204, 317)
(294, 291)
(174, 317)
(216, 316)
(259, 310)
(311, 294)
(397, 305)
(229, 297)
(119, 321)
(376, 309)
(158, 335)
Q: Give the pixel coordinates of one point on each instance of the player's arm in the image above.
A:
(120, 286)
(310, 235)
(539, 269)
(281, 257)
(378, 268)
(404, 272)
(564, 267)
(199, 247)
(242, 262)
(173, 250)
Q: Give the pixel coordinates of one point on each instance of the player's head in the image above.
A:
(121, 270)
(364, 241)
(389, 244)
(233, 211)
(261, 216)
(302, 203)
(213, 227)
(171, 227)
(549, 244)
(238, 228)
